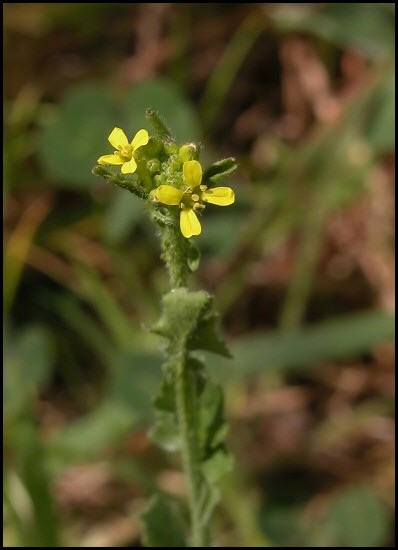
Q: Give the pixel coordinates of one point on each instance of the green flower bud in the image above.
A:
(153, 147)
(170, 147)
(158, 123)
(159, 179)
(188, 151)
(153, 165)
(175, 163)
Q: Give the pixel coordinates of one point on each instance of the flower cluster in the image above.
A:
(191, 198)
(174, 176)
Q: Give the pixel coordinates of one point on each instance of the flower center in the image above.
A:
(192, 198)
(125, 151)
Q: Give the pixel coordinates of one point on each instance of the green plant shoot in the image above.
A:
(189, 405)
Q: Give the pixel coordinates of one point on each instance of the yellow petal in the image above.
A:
(192, 173)
(118, 138)
(189, 223)
(129, 167)
(141, 138)
(110, 159)
(222, 196)
(167, 194)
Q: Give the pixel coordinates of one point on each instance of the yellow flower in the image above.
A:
(124, 153)
(191, 199)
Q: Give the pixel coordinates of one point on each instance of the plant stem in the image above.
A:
(186, 411)
(175, 254)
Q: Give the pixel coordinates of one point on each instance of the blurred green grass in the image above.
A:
(82, 276)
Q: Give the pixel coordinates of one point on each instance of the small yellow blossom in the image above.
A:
(191, 199)
(124, 153)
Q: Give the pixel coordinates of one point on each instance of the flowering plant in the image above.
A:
(189, 405)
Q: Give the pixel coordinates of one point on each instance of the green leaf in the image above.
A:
(331, 340)
(28, 361)
(36, 354)
(181, 312)
(165, 432)
(31, 463)
(161, 525)
(207, 336)
(215, 467)
(219, 170)
(212, 427)
(189, 322)
(165, 398)
(72, 141)
(358, 518)
(87, 437)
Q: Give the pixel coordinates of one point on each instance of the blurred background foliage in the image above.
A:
(302, 267)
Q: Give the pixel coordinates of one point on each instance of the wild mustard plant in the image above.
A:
(189, 405)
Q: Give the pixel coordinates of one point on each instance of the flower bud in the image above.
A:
(175, 163)
(153, 166)
(159, 179)
(170, 147)
(188, 151)
(152, 148)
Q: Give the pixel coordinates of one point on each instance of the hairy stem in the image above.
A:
(175, 253)
(120, 180)
(186, 409)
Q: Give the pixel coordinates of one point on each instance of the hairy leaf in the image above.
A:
(165, 432)
(188, 322)
(220, 170)
(217, 465)
(207, 336)
(212, 428)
